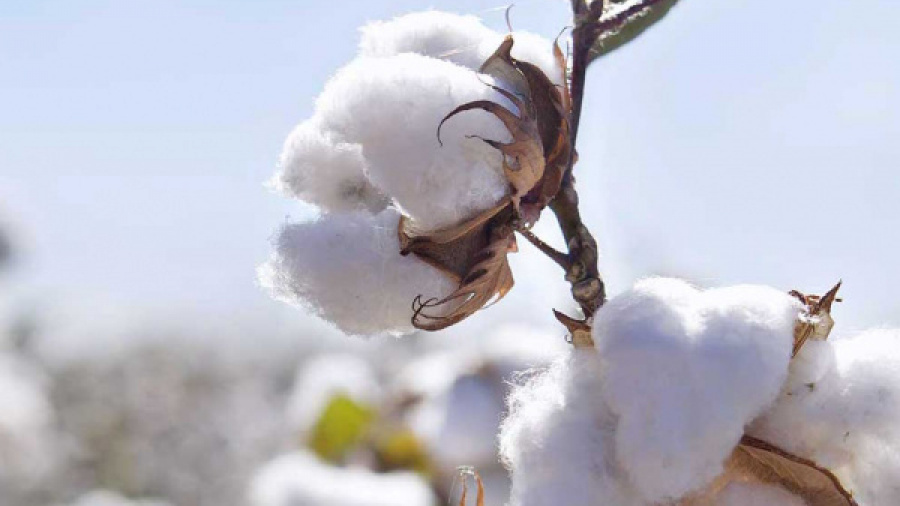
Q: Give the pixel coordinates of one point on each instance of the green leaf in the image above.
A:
(342, 425)
(633, 26)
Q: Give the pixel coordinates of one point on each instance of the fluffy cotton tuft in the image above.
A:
(684, 371)
(392, 108)
(558, 439)
(840, 408)
(300, 479)
(347, 268)
(316, 168)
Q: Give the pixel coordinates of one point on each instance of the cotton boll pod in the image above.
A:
(392, 108)
(754, 494)
(316, 168)
(347, 269)
(300, 479)
(442, 35)
(685, 370)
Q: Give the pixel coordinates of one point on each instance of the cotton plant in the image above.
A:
(437, 148)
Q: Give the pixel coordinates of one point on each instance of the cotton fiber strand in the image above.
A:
(684, 371)
(300, 479)
(558, 439)
(317, 169)
(347, 268)
(840, 408)
(392, 108)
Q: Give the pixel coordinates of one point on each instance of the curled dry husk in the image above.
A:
(473, 253)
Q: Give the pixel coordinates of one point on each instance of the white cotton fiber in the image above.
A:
(840, 408)
(392, 108)
(347, 269)
(558, 439)
(684, 371)
(300, 479)
(451, 37)
(26, 423)
(317, 169)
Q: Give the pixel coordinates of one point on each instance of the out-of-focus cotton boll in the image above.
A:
(755, 494)
(558, 439)
(317, 169)
(392, 107)
(443, 35)
(325, 376)
(26, 424)
(347, 268)
(107, 498)
(840, 408)
(300, 479)
(685, 370)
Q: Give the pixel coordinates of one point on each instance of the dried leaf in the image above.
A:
(760, 461)
(622, 33)
(488, 280)
(816, 322)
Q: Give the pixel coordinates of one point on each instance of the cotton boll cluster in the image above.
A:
(371, 153)
(651, 414)
(685, 370)
(840, 408)
(300, 479)
(347, 269)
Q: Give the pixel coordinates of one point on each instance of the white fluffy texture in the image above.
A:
(685, 370)
(26, 423)
(107, 498)
(300, 479)
(392, 108)
(840, 408)
(316, 168)
(347, 269)
(558, 439)
(323, 377)
(756, 494)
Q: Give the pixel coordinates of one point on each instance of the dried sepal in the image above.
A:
(464, 473)
(758, 461)
(815, 322)
(579, 330)
(487, 281)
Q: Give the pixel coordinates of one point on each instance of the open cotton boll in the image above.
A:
(300, 479)
(347, 269)
(685, 370)
(316, 168)
(558, 438)
(392, 107)
(436, 34)
(325, 376)
(840, 408)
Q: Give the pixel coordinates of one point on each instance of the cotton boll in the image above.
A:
(755, 494)
(435, 34)
(323, 377)
(685, 371)
(558, 439)
(26, 425)
(840, 409)
(392, 107)
(300, 479)
(316, 168)
(347, 268)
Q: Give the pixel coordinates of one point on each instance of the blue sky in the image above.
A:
(736, 142)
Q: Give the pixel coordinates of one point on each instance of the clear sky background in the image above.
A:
(737, 142)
